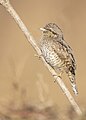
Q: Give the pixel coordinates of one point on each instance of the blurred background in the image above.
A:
(23, 77)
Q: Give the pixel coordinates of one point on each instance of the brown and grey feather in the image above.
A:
(58, 53)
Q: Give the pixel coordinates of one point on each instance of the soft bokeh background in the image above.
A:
(21, 70)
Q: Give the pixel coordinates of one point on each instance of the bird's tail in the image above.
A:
(73, 83)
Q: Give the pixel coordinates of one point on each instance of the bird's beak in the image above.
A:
(42, 29)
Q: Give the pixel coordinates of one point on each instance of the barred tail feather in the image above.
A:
(73, 83)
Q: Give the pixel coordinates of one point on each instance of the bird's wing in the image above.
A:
(65, 52)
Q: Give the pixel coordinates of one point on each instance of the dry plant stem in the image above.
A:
(31, 40)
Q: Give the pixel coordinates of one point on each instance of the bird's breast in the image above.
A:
(51, 56)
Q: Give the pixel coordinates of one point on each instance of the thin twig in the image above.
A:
(31, 40)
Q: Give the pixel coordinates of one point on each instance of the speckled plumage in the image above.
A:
(58, 53)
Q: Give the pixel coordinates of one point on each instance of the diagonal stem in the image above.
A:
(31, 40)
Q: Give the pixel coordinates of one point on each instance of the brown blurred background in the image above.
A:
(21, 70)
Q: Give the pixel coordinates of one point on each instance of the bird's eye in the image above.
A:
(53, 32)
(51, 29)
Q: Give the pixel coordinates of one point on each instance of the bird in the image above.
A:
(57, 53)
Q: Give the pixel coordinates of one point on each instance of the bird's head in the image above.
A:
(52, 30)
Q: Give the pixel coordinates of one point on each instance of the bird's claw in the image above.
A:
(59, 76)
(39, 56)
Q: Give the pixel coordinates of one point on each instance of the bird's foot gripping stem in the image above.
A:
(59, 76)
(39, 56)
